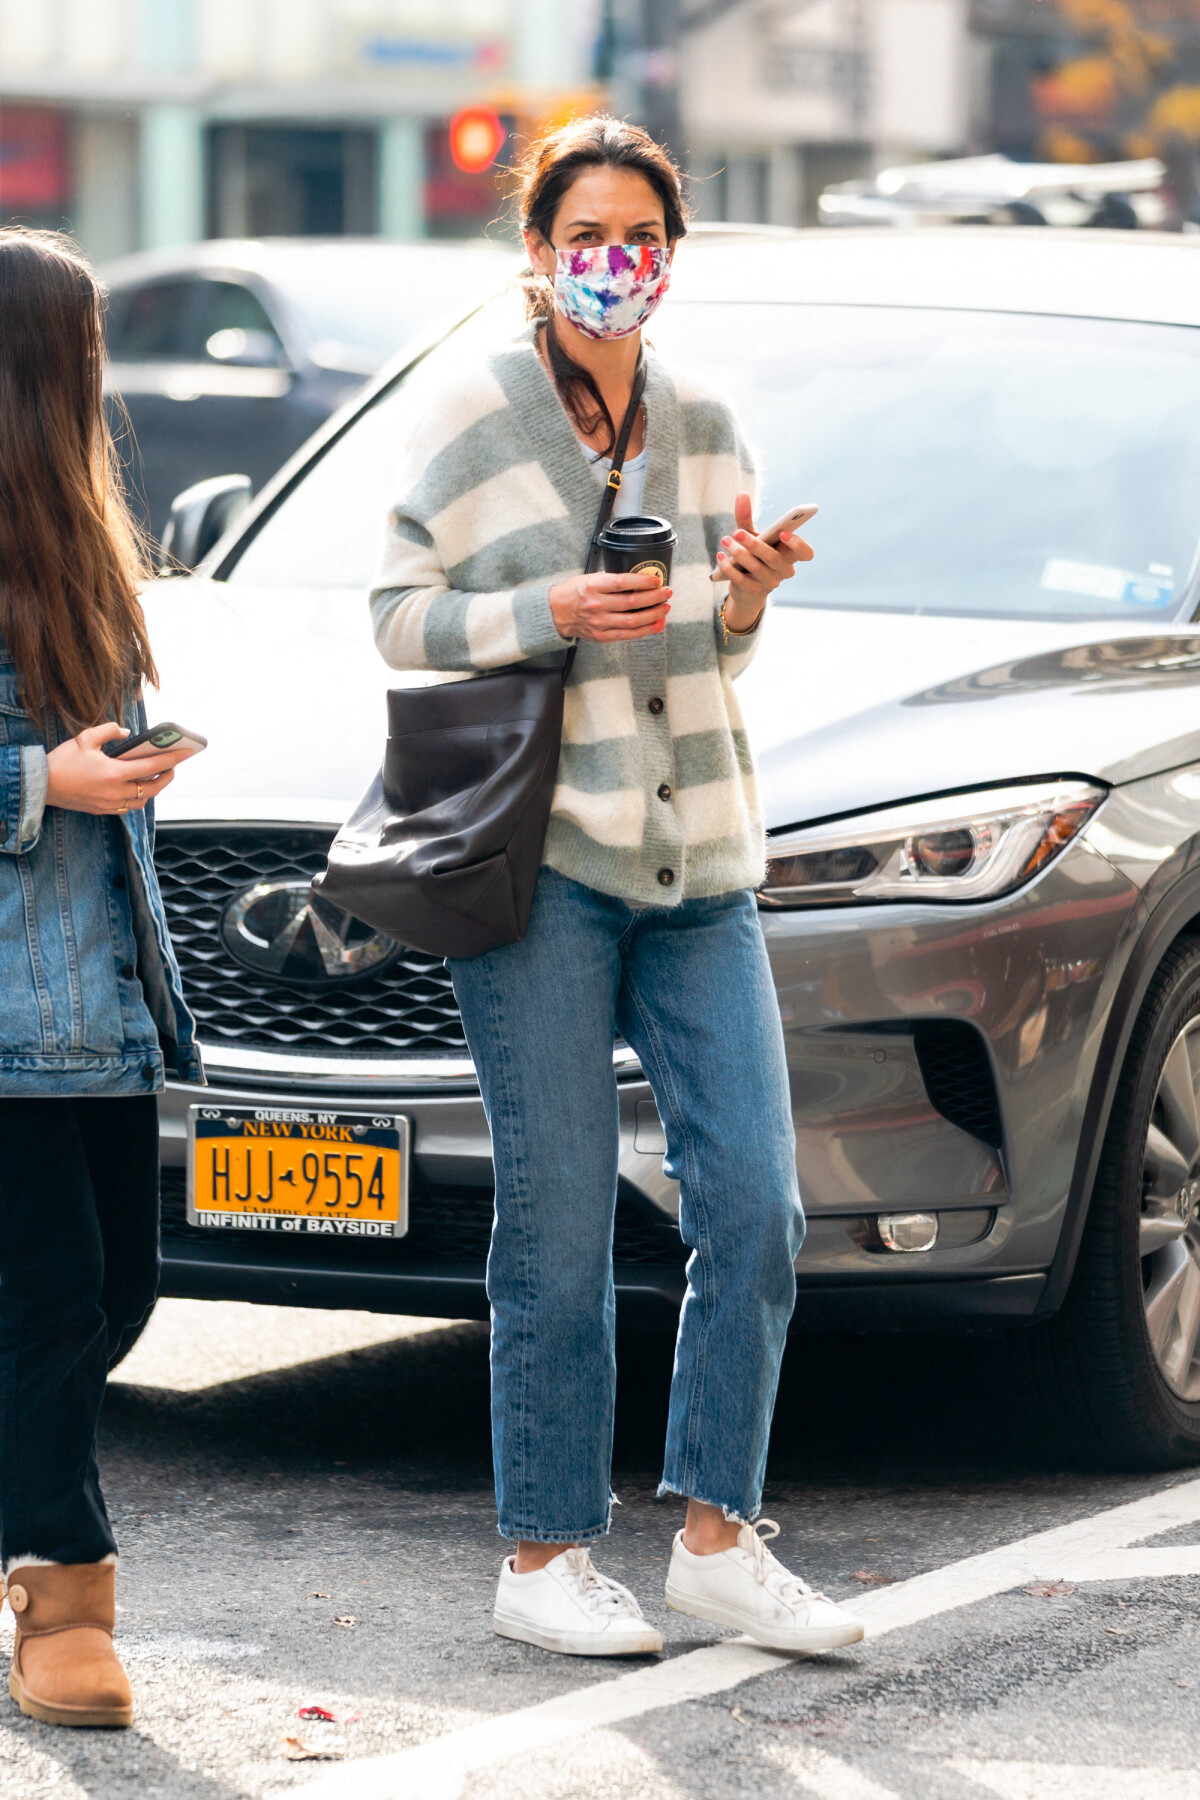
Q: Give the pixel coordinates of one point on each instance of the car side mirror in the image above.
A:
(247, 349)
(200, 516)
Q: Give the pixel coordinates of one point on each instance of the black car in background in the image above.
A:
(228, 355)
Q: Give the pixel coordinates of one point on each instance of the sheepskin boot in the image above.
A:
(65, 1670)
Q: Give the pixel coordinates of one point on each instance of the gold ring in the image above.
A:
(139, 790)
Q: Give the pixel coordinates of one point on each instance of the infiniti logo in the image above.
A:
(283, 928)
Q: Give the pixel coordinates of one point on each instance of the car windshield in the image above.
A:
(974, 463)
(965, 463)
(367, 301)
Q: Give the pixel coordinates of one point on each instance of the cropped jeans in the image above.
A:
(690, 989)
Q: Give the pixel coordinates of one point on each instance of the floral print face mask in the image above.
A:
(611, 290)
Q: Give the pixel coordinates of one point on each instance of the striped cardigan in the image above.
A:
(655, 800)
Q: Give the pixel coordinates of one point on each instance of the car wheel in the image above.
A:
(1116, 1374)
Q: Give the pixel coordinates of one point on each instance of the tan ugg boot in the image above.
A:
(65, 1670)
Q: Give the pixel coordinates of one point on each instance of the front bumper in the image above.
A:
(864, 993)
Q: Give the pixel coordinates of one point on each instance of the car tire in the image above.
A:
(1113, 1380)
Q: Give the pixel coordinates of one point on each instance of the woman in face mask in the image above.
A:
(643, 921)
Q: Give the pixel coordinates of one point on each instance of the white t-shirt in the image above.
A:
(633, 480)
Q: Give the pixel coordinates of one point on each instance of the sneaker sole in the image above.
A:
(823, 1637)
(99, 1718)
(576, 1643)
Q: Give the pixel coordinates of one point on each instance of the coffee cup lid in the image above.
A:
(637, 531)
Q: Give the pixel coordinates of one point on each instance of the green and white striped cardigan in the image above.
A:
(656, 798)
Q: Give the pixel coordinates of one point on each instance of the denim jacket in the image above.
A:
(91, 1000)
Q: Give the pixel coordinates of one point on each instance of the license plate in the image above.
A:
(259, 1168)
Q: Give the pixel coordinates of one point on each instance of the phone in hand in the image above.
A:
(153, 742)
(792, 520)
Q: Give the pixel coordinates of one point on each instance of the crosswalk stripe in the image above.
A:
(439, 1769)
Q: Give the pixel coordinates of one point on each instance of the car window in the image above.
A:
(973, 463)
(153, 323)
(232, 321)
(329, 531)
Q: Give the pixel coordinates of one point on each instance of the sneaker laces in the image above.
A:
(599, 1593)
(769, 1570)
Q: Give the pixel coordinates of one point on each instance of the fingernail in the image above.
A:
(785, 537)
(726, 540)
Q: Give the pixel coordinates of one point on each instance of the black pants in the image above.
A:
(79, 1268)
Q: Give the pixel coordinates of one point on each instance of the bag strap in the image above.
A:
(612, 486)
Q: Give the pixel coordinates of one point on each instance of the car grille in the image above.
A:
(445, 1225)
(408, 1007)
(958, 1077)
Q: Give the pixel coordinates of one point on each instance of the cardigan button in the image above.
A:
(666, 877)
(664, 792)
(148, 1071)
(655, 705)
(128, 971)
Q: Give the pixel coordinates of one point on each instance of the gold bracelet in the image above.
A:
(732, 630)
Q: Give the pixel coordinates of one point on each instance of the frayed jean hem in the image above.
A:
(732, 1516)
(530, 1535)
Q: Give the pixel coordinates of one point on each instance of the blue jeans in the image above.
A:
(690, 989)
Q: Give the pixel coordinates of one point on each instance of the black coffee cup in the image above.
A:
(638, 545)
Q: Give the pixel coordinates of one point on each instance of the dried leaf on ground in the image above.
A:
(870, 1580)
(317, 1712)
(346, 1619)
(317, 1595)
(1048, 1590)
(296, 1750)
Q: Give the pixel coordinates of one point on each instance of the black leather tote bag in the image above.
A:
(443, 850)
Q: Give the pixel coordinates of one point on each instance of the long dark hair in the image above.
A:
(70, 556)
(545, 172)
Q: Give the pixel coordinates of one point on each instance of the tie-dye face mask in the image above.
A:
(611, 290)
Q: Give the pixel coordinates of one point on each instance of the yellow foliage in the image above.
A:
(1177, 111)
(1083, 89)
(1059, 145)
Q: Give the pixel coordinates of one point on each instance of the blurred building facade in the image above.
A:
(144, 123)
(779, 97)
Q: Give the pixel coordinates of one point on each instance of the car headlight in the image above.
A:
(961, 847)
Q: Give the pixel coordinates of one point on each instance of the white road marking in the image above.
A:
(193, 1344)
(1080, 1781)
(824, 1775)
(439, 1769)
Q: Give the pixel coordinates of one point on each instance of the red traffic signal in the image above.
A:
(476, 139)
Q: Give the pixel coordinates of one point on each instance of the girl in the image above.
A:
(91, 1006)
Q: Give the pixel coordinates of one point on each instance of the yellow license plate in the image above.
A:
(294, 1169)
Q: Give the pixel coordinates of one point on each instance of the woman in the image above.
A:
(644, 919)
(91, 1007)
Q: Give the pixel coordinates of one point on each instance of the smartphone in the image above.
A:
(153, 742)
(791, 521)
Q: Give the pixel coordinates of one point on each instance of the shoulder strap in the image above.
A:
(612, 486)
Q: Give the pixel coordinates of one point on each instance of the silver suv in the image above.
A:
(977, 719)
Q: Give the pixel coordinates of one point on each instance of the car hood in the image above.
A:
(845, 710)
(848, 711)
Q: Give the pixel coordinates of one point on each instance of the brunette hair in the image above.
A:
(71, 557)
(546, 171)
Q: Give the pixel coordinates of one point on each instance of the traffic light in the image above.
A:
(476, 139)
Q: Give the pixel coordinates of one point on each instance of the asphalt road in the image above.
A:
(304, 1508)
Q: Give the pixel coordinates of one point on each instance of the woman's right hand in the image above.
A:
(83, 779)
(609, 608)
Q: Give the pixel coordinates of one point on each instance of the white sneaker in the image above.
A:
(570, 1607)
(747, 1588)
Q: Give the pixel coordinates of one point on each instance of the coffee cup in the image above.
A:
(639, 544)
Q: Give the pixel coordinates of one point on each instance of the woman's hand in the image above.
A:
(83, 779)
(754, 569)
(609, 608)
